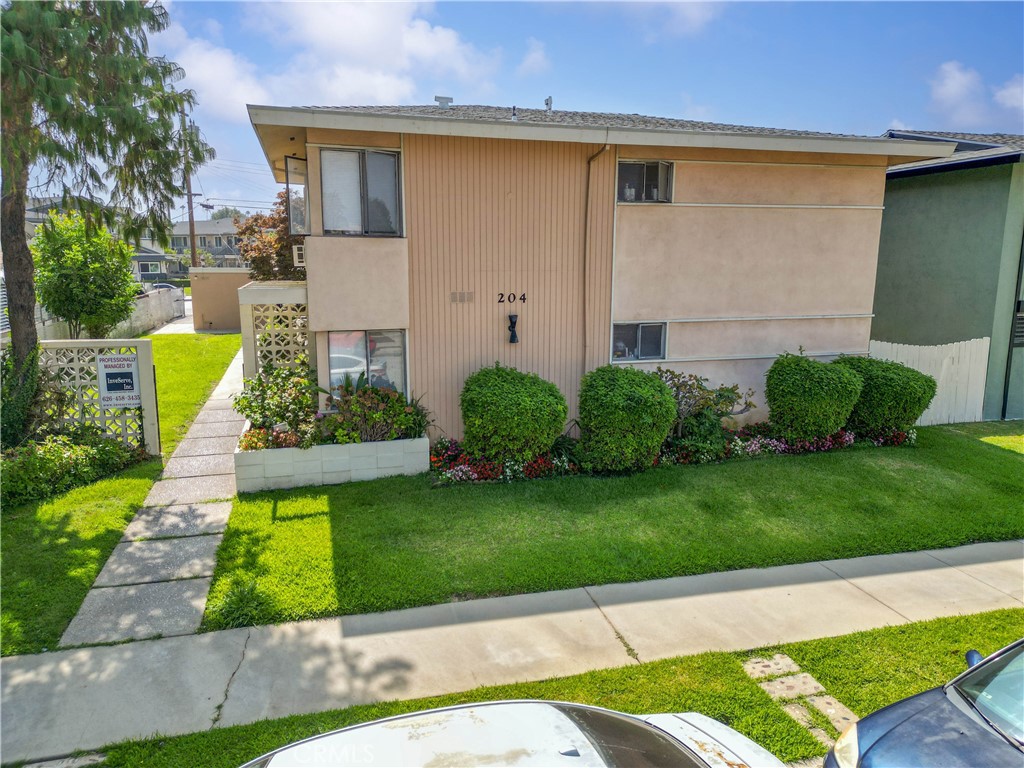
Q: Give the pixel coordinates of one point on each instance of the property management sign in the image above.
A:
(119, 381)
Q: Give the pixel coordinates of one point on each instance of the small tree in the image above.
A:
(83, 276)
(266, 244)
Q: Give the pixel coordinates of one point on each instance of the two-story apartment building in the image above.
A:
(217, 237)
(603, 238)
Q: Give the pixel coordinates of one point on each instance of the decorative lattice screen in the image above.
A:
(282, 335)
(75, 371)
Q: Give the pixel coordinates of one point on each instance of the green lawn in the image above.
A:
(53, 550)
(398, 542)
(865, 671)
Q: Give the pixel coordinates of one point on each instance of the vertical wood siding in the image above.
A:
(488, 217)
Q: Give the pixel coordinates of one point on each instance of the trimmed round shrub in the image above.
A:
(625, 416)
(893, 398)
(808, 398)
(509, 415)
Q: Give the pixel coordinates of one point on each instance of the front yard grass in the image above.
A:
(398, 542)
(865, 671)
(53, 550)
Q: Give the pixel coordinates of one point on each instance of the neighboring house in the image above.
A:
(610, 238)
(217, 237)
(950, 256)
(152, 266)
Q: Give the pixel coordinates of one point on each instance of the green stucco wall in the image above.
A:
(948, 245)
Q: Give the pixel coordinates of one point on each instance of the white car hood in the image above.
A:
(717, 744)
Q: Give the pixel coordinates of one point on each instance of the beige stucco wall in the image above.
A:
(215, 298)
(357, 283)
(792, 245)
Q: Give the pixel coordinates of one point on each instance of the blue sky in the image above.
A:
(854, 67)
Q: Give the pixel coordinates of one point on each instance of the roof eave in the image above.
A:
(303, 117)
(1005, 158)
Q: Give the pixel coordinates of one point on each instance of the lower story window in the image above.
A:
(638, 341)
(149, 267)
(377, 355)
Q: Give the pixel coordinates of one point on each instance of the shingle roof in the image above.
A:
(478, 113)
(1004, 145)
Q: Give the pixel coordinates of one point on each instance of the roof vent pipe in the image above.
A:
(547, 103)
(444, 101)
(514, 118)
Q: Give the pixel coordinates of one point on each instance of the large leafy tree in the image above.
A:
(227, 213)
(264, 242)
(83, 277)
(90, 115)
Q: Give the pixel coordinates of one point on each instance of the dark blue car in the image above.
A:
(976, 720)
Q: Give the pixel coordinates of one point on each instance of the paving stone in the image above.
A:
(811, 762)
(823, 737)
(840, 717)
(216, 429)
(178, 520)
(214, 415)
(197, 466)
(218, 403)
(204, 446)
(792, 687)
(191, 490)
(779, 664)
(111, 614)
(140, 562)
(799, 713)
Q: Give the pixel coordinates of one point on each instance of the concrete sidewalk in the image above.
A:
(58, 702)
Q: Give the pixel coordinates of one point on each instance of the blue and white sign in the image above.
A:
(119, 381)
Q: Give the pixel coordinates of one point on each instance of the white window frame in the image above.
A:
(149, 264)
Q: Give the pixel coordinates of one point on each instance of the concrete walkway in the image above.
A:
(58, 702)
(156, 580)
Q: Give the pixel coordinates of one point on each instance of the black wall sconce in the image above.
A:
(513, 337)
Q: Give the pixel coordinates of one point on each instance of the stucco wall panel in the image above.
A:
(708, 154)
(357, 283)
(777, 185)
(215, 298)
(764, 337)
(683, 262)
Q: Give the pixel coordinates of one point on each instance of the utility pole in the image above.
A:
(188, 193)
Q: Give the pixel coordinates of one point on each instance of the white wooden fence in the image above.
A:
(959, 370)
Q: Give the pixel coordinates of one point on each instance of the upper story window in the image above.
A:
(179, 242)
(202, 241)
(360, 192)
(645, 182)
(298, 201)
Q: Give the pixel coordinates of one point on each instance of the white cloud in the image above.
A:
(963, 100)
(689, 18)
(691, 110)
(223, 80)
(898, 125)
(536, 61)
(1010, 95)
(366, 52)
(958, 94)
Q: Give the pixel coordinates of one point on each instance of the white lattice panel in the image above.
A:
(74, 365)
(281, 332)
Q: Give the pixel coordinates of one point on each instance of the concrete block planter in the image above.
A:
(329, 464)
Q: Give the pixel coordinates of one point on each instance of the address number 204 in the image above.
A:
(511, 298)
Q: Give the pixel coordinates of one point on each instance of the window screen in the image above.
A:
(645, 182)
(381, 193)
(295, 182)
(341, 191)
(638, 341)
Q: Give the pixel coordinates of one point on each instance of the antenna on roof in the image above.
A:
(444, 101)
(547, 103)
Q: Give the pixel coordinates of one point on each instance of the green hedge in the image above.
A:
(509, 415)
(625, 416)
(893, 398)
(37, 470)
(808, 398)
